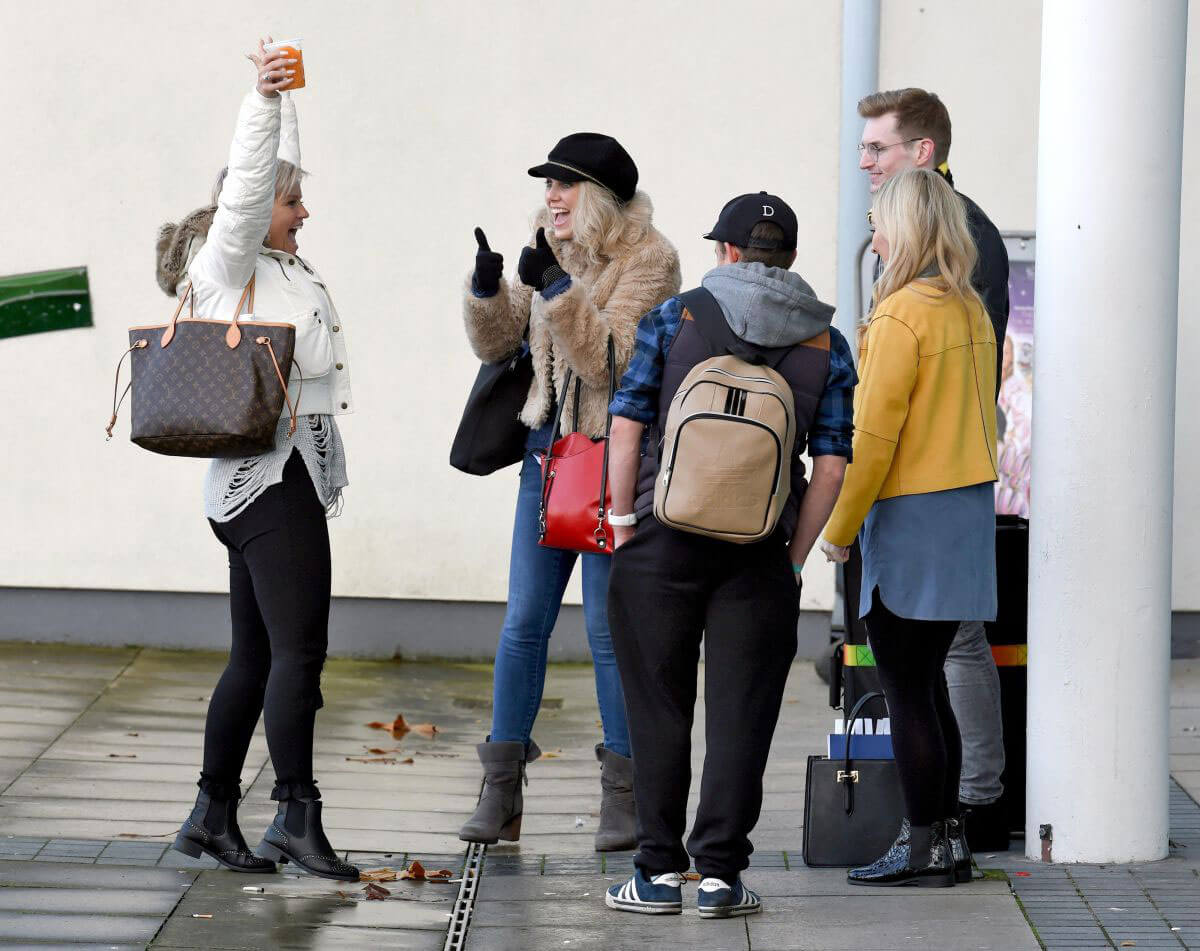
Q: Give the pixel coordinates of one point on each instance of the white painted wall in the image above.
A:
(418, 124)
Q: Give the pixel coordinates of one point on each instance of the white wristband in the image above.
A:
(622, 521)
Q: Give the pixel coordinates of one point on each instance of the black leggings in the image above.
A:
(910, 656)
(279, 579)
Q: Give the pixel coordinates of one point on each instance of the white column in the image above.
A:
(1108, 192)
(860, 77)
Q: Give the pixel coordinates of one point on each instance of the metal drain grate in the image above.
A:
(464, 905)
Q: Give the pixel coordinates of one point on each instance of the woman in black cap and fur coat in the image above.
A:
(593, 267)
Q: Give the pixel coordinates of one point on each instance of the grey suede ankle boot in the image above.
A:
(498, 815)
(618, 823)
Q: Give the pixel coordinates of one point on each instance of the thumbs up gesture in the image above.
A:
(538, 266)
(489, 266)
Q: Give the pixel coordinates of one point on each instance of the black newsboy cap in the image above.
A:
(591, 157)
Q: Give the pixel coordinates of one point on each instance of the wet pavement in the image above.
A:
(99, 750)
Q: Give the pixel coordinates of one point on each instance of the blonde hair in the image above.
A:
(925, 223)
(287, 177)
(604, 224)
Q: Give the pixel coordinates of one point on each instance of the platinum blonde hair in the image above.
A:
(604, 225)
(287, 178)
(925, 224)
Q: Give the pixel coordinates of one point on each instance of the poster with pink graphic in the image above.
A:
(1015, 406)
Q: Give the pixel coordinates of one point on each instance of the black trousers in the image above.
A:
(910, 657)
(279, 581)
(666, 591)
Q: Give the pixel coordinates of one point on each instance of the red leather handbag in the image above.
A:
(575, 497)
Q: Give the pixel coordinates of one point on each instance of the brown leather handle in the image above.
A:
(233, 336)
(141, 344)
(266, 341)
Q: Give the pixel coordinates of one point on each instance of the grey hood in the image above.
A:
(767, 306)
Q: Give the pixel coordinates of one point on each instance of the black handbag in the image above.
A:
(852, 808)
(490, 435)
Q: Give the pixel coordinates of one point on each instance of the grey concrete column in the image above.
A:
(860, 77)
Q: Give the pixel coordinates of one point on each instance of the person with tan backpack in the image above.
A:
(713, 518)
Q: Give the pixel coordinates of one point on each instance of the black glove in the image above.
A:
(538, 266)
(489, 266)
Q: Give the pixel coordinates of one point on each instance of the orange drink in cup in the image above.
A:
(293, 50)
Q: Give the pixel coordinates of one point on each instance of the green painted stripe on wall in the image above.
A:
(43, 301)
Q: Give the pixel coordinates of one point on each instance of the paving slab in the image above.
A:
(59, 927)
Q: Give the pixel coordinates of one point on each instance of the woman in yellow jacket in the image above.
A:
(919, 496)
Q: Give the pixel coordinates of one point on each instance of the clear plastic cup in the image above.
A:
(294, 51)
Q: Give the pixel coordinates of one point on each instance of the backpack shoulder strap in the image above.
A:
(714, 328)
(710, 320)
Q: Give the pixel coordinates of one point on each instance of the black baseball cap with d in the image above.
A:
(591, 157)
(741, 214)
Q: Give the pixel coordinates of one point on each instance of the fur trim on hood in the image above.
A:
(178, 244)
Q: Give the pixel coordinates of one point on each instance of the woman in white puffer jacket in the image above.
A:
(269, 510)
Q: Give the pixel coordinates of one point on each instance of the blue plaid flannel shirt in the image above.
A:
(832, 432)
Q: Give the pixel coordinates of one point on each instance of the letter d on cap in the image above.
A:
(768, 211)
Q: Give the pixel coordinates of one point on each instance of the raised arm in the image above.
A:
(244, 206)
(494, 312)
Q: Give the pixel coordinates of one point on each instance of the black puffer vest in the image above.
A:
(805, 366)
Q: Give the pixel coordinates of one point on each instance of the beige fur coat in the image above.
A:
(572, 329)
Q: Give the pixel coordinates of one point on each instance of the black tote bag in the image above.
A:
(852, 808)
(490, 436)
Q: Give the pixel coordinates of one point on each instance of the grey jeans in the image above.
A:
(975, 696)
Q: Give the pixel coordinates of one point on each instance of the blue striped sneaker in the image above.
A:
(717, 899)
(660, 895)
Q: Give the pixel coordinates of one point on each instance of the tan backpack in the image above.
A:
(726, 467)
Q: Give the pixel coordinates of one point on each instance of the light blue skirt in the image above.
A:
(932, 556)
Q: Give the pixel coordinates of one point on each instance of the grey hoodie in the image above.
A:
(767, 306)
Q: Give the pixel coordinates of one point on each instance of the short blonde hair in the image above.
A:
(604, 224)
(287, 178)
(925, 223)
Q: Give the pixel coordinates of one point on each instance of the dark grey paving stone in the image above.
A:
(72, 901)
(73, 946)
(929, 921)
(119, 929)
(93, 876)
(608, 930)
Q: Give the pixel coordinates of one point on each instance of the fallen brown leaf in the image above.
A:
(550, 755)
(133, 734)
(440, 875)
(407, 761)
(425, 729)
(376, 725)
(415, 872)
(385, 760)
(375, 892)
(378, 875)
(436, 754)
(399, 727)
(377, 751)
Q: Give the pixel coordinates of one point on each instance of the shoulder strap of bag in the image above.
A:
(847, 776)
(612, 392)
(714, 328)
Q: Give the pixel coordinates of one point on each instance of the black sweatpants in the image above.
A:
(279, 581)
(910, 657)
(667, 589)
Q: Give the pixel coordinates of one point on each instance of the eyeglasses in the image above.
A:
(871, 220)
(874, 149)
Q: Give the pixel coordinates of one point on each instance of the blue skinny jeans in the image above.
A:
(537, 579)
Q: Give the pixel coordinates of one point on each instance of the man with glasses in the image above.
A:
(910, 128)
